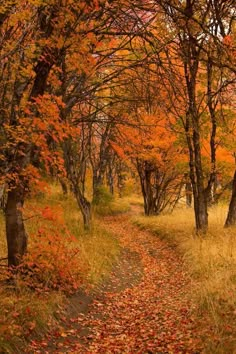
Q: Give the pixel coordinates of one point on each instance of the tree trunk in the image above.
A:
(149, 205)
(188, 193)
(97, 184)
(145, 170)
(99, 175)
(191, 59)
(63, 186)
(201, 215)
(111, 184)
(110, 180)
(210, 189)
(196, 177)
(120, 183)
(3, 196)
(194, 147)
(231, 217)
(15, 230)
(85, 208)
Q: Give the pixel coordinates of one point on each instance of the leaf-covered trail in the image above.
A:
(150, 315)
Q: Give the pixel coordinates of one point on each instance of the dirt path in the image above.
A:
(144, 308)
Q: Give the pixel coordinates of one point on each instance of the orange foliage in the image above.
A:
(53, 260)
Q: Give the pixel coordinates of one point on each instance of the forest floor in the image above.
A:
(144, 307)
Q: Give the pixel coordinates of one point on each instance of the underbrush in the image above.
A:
(134, 199)
(211, 262)
(117, 206)
(62, 257)
(105, 204)
(25, 313)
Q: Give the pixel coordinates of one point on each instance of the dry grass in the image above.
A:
(211, 262)
(99, 259)
(98, 248)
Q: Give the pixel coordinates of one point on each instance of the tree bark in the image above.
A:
(98, 181)
(188, 192)
(85, 208)
(193, 132)
(63, 186)
(15, 230)
(201, 215)
(196, 177)
(3, 196)
(100, 166)
(210, 189)
(110, 179)
(231, 217)
(144, 171)
(77, 186)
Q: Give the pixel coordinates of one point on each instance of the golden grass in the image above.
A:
(211, 262)
(98, 258)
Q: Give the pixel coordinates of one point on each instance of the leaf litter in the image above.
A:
(145, 307)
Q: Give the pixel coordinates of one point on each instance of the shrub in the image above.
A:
(53, 260)
(102, 196)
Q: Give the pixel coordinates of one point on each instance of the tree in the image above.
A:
(231, 217)
(148, 140)
(21, 91)
(195, 30)
(38, 42)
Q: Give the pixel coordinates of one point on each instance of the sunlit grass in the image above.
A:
(211, 262)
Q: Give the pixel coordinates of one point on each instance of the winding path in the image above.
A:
(144, 308)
